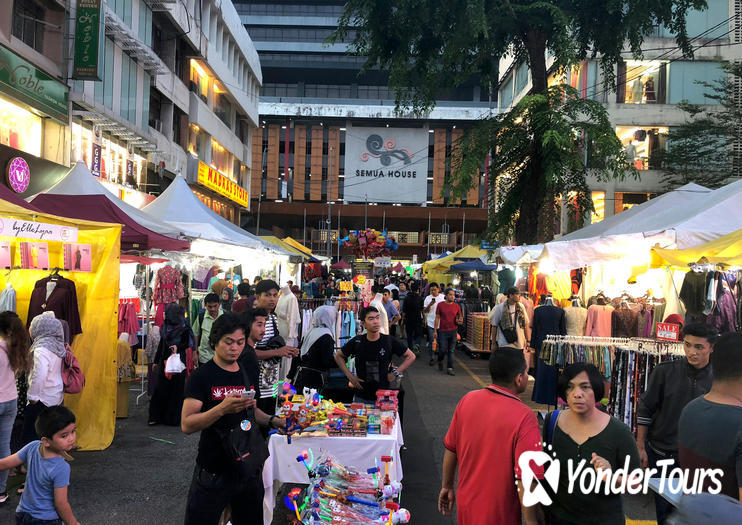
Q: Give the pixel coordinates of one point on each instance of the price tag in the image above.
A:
(668, 331)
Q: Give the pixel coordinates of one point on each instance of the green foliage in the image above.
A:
(701, 150)
(571, 130)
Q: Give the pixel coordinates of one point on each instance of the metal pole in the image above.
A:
(428, 235)
(257, 226)
(365, 215)
(463, 229)
(304, 233)
(383, 224)
(329, 202)
(338, 233)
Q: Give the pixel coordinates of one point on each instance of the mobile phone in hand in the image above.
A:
(248, 394)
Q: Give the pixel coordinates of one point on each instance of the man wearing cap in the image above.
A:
(507, 316)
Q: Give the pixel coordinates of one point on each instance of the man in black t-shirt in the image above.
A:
(373, 354)
(213, 400)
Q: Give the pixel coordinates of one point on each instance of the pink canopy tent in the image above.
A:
(9, 195)
(341, 265)
(399, 268)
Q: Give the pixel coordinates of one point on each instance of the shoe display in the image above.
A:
(451, 372)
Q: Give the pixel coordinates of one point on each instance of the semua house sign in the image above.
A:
(387, 165)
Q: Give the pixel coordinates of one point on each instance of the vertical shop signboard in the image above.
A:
(95, 163)
(364, 268)
(89, 40)
(34, 256)
(77, 257)
(5, 259)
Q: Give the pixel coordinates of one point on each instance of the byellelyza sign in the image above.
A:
(386, 165)
(36, 230)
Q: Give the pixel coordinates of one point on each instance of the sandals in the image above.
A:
(21, 489)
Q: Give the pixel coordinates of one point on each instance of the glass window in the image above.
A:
(642, 82)
(133, 81)
(506, 94)
(599, 205)
(222, 105)
(640, 142)
(197, 142)
(28, 17)
(125, 78)
(199, 81)
(221, 159)
(521, 77)
(626, 200)
(683, 85)
(19, 129)
(108, 75)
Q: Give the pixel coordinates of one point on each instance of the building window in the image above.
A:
(19, 129)
(599, 205)
(180, 123)
(197, 142)
(626, 200)
(221, 159)
(640, 143)
(222, 105)
(199, 81)
(642, 82)
(28, 23)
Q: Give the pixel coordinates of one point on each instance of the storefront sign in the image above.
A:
(95, 162)
(386, 165)
(668, 331)
(364, 268)
(31, 86)
(18, 174)
(486, 245)
(383, 262)
(346, 286)
(34, 256)
(89, 40)
(217, 182)
(77, 257)
(36, 230)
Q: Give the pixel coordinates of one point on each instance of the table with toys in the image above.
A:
(361, 439)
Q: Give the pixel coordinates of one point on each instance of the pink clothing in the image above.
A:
(168, 286)
(8, 391)
(129, 322)
(599, 320)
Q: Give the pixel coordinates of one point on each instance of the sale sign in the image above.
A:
(668, 331)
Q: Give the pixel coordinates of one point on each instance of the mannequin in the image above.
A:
(547, 320)
(637, 89)
(598, 322)
(575, 318)
(287, 311)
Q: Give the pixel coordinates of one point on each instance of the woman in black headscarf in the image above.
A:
(227, 297)
(176, 337)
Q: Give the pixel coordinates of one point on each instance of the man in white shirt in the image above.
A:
(378, 303)
(431, 301)
(519, 322)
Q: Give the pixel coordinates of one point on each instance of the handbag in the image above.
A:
(244, 444)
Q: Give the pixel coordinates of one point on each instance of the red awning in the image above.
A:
(140, 259)
(341, 265)
(12, 197)
(134, 236)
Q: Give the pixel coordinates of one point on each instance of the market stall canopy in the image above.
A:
(682, 219)
(398, 268)
(179, 207)
(476, 265)
(299, 246)
(341, 265)
(444, 263)
(525, 254)
(276, 242)
(724, 250)
(79, 195)
(10, 196)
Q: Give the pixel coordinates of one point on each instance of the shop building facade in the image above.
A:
(326, 132)
(643, 102)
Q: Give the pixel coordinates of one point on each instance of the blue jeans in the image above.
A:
(24, 518)
(446, 345)
(431, 332)
(8, 411)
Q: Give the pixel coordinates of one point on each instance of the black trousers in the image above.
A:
(662, 507)
(210, 494)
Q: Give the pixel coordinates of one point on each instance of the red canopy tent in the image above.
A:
(12, 197)
(399, 268)
(341, 265)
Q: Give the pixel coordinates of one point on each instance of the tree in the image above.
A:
(701, 150)
(428, 45)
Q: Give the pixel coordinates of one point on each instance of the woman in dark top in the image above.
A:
(167, 399)
(317, 350)
(584, 433)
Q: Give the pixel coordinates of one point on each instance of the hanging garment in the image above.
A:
(7, 299)
(599, 320)
(287, 312)
(575, 320)
(528, 304)
(128, 322)
(168, 286)
(624, 323)
(506, 276)
(644, 323)
(62, 301)
(693, 293)
(152, 343)
(547, 320)
(724, 316)
(658, 314)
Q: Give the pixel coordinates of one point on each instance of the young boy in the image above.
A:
(45, 495)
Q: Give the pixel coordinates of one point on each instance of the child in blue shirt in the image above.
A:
(44, 499)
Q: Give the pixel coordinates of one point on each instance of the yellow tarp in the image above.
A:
(435, 269)
(299, 246)
(724, 250)
(97, 298)
(286, 246)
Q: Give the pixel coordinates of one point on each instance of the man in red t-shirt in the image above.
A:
(489, 431)
(447, 320)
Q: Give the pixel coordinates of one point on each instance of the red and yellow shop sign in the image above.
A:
(217, 182)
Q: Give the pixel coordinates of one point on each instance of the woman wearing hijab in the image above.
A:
(227, 298)
(317, 350)
(167, 399)
(45, 387)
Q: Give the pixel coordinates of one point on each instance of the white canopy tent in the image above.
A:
(524, 254)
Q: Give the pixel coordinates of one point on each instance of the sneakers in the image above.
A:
(432, 362)
(3, 497)
(440, 366)
(451, 372)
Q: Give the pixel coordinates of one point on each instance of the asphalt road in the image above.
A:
(142, 480)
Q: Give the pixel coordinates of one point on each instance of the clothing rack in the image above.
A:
(588, 339)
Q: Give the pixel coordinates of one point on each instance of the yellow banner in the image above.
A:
(217, 182)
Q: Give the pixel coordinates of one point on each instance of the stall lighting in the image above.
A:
(473, 274)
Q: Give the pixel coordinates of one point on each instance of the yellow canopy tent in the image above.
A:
(299, 246)
(286, 246)
(97, 297)
(435, 269)
(723, 250)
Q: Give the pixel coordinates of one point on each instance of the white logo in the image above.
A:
(530, 482)
(583, 478)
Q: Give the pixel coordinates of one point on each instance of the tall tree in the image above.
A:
(702, 149)
(428, 45)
